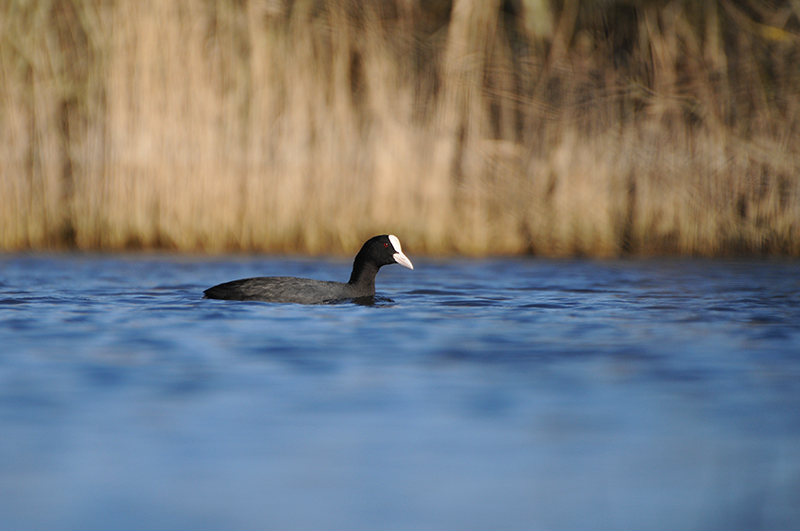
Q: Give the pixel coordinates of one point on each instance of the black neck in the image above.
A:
(363, 275)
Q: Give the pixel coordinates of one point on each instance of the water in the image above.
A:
(493, 394)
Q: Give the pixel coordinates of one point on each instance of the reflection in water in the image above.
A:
(514, 394)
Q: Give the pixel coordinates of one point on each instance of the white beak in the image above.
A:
(403, 260)
(398, 255)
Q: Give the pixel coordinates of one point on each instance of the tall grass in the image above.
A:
(495, 126)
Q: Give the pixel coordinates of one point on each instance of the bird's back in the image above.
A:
(283, 289)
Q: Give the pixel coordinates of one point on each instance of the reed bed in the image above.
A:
(558, 128)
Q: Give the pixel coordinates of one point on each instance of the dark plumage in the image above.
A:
(375, 253)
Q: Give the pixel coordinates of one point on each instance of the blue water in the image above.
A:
(506, 394)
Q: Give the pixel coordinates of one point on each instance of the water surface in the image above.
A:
(475, 394)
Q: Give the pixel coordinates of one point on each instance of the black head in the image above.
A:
(383, 250)
(375, 253)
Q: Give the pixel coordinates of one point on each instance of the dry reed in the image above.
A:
(476, 127)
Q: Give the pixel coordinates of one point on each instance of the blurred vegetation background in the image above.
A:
(600, 128)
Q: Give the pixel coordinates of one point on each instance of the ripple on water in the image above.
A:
(517, 394)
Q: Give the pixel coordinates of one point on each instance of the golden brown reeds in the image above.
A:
(477, 127)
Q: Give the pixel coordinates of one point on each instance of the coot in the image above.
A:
(376, 252)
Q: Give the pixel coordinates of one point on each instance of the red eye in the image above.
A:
(386, 245)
